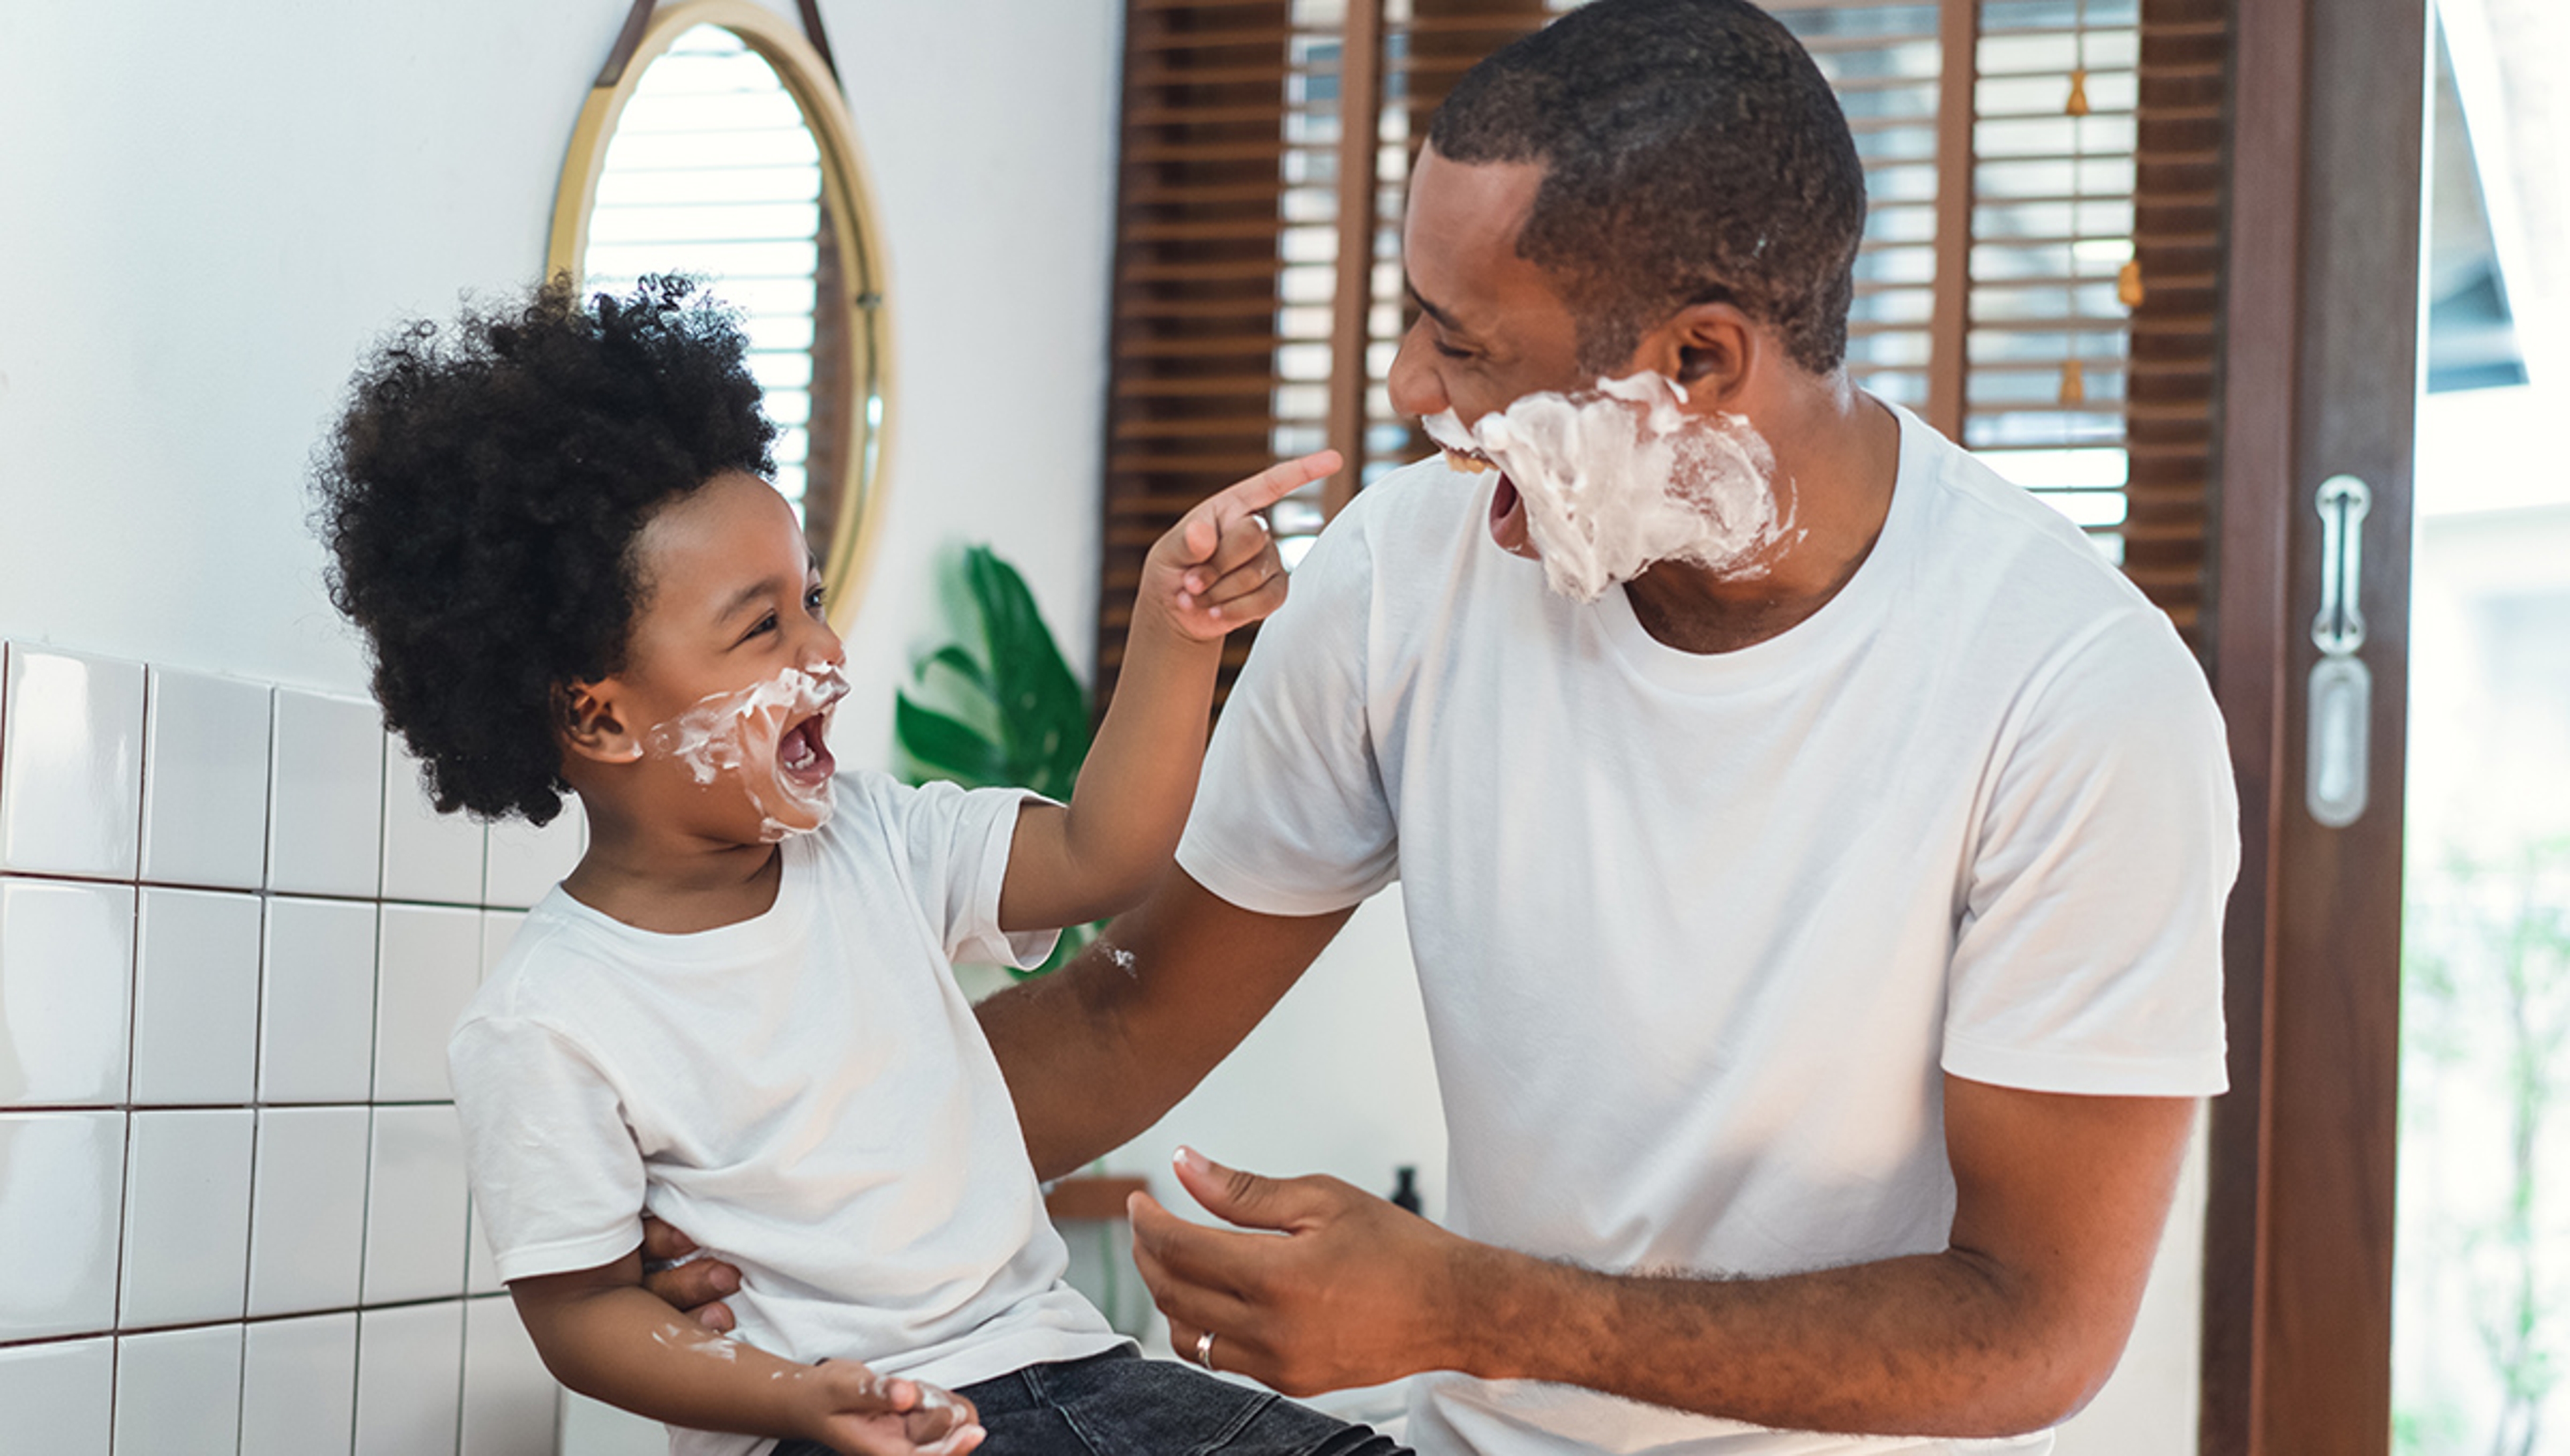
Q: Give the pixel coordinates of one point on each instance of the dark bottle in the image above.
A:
(1404, 1189)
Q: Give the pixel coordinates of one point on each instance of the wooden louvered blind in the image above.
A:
(1258, 222)
(2036, 279)
(1194, 332)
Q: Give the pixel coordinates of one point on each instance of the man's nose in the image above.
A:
(1413, 384)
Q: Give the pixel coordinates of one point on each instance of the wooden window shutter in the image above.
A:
(1257, 292)
(2037, 278)
(1192, 340)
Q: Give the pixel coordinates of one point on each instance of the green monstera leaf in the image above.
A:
(1007, 713)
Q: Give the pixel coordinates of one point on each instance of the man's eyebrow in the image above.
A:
(1444, 320)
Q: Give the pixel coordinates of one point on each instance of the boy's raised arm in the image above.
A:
(600, 1335)
(1216, 570)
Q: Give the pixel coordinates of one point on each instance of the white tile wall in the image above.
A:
(430, 857)
(186, 1217)
(325, 808)
(429, 964)
(180, 1392)
(308, 1226)
(415, 1206)
(410, 1379)
(525, 862)
(299, 1386)
(65, 979)
(508, 1399)
(196, 999)
(231, 941)
(205, 797)
(318, 1002)
(60, 1396)
(62, 1202)
(70, 765)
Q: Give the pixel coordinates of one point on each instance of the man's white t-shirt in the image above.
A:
(1698, 934)
(806, 1093)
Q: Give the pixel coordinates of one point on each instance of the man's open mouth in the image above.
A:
(1508, 519)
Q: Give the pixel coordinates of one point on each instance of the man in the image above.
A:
(1820, 949)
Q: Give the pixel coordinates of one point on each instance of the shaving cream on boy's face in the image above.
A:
(772, 736)
(1620, 476)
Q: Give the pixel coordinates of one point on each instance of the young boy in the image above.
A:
(736, 1011)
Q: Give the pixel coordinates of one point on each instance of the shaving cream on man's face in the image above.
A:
(1620, 476)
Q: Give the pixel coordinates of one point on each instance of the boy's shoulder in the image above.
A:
(546, 971)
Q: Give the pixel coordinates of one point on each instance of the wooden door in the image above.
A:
(2320, 380)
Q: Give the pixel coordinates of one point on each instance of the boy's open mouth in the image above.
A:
(803, 754)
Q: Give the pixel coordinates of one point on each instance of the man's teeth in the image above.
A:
(1469, 464)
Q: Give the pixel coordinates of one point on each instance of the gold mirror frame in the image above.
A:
(848, 206)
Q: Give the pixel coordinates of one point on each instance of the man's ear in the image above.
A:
(1711, 348)
(591, 724)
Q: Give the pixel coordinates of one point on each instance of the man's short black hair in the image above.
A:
(481, 498)
(1693, 153)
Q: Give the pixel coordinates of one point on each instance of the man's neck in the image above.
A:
(1837, 450)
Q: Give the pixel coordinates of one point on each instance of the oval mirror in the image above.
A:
(720, 147)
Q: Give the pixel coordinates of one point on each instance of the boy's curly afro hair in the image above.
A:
(481, 499)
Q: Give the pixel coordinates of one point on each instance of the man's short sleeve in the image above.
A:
(2089, 954)
(956, 843)
(556, 1179)
(1292, 818)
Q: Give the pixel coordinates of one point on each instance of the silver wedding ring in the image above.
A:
(1205, 1350)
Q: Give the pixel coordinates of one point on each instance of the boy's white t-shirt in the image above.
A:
(806, 1093)
(1698, 936)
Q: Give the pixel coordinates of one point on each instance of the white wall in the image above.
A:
(207, 212)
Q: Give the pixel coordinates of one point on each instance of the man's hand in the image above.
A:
(854, 1411)
(1217, 569)
(1357, 1293)
(696, 1287)
(2059, 1203)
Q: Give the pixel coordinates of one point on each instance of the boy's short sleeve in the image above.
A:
(556, 1179)
(956, 841)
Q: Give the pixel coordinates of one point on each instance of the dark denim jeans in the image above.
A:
(1119, 1404)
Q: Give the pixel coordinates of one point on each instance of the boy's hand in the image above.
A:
(673, 1272)
(1217, 569)
(854, 1411)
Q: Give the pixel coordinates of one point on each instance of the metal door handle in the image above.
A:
(2337, 756)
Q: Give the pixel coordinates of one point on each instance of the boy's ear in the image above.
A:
(592, 725)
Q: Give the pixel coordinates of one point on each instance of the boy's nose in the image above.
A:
(820, 644)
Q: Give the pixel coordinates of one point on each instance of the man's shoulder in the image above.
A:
(2003, 560)
(1424, 506)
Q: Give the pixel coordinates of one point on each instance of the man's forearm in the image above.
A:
(1941, 1344)
(1061, 1043)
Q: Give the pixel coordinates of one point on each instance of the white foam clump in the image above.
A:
(724, 732)
(1620, 476)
